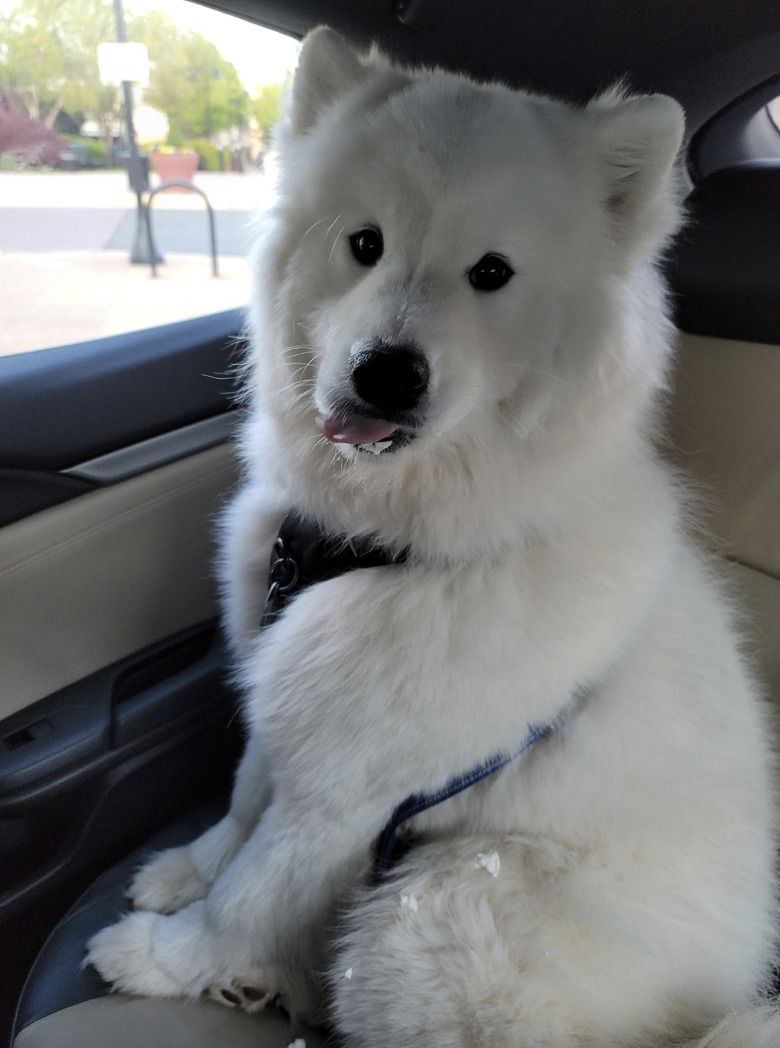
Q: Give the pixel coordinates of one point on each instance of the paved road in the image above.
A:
(113, 229)
(57, 229)
(95, 210)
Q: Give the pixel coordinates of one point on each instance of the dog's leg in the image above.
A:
(545, 945)
(259, 927)
(250, 525)
(178, 876)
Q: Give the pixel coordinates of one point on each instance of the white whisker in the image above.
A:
(314, 226)
(330, 227)
(335, 243)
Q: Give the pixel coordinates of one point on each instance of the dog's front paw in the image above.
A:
(124, 956)
(251, 992)
(168, 882)
(157, 956)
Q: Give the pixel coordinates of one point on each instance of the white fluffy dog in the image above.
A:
(460, 339)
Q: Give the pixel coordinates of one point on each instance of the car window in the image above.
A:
(77, 240)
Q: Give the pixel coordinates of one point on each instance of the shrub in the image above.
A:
(208, 153)
(90, 152)
(29, 141)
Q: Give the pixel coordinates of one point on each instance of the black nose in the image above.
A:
(391, 378)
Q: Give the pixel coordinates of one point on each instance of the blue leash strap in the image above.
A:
(419, 802)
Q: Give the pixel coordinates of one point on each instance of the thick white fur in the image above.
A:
(635, 903)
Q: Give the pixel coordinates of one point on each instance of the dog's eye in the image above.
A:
(490, 273)
(367, 246)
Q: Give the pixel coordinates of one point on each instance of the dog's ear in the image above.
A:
(638, 139)
(327, 68)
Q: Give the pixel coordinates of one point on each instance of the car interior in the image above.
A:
(119, 727)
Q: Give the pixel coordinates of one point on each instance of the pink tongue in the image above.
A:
(346, 429)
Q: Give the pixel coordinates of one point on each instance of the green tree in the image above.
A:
(48, 55)
(265, 106)
(199, 91)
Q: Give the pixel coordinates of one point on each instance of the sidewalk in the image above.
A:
(65, 270)
(55, 298)
(97, 189)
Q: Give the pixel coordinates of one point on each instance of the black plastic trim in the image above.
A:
(725, 264)
(95, 723)
(157, 451)
(741, 132)
(63, 406)
(25, 491)
(89, 771)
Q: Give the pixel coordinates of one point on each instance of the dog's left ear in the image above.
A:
(327, 68)
(638, 139)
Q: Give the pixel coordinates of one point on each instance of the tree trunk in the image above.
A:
(54, 112)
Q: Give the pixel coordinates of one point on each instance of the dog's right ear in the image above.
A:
(327, 68)
(639, 138)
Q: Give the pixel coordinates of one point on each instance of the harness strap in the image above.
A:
(303, 554)
(420, 802)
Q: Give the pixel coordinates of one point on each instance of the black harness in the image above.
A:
(303, 554)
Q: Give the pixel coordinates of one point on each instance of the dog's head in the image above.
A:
(452, 265)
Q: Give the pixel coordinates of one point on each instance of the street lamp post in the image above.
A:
(143, 250)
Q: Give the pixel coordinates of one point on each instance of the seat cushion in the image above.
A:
(117, 1021)
(64, 1004)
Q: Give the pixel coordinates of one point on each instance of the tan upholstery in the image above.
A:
(724, 430)
(134, 1022)
(760, 597)
(144, 545)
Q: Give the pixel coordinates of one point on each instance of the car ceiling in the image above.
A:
(703, 52)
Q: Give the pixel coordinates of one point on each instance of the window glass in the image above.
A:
(81, 216)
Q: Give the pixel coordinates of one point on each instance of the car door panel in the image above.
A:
(98, 577)
(99, 752)
(116, 711)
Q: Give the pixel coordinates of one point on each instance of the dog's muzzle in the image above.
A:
(389, 387)
(391, 379)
